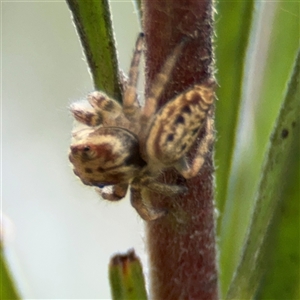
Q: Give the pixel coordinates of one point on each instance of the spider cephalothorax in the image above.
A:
(130, 145)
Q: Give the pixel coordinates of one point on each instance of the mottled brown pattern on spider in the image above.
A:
(113, 193)
(176, 126)
(101, 102)
(131, 145)
(89, 118)
(99, 157)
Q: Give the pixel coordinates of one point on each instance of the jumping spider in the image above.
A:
(131, 145)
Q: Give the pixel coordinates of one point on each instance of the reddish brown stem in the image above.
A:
(181, 245)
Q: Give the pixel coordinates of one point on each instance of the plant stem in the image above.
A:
(93, 23)
(181, 245)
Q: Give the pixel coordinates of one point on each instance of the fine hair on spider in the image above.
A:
(129, 145)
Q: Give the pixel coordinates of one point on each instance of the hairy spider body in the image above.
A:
(129, 145)
(177, 125)
(106, 156)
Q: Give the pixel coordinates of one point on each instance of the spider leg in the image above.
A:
(104, 106)
(163, 188)
(149, 181)
(191, 170)
(131, 105)
(123, 81)
(86, 115)
(160, 82)
(103, 110)
(143, 205)
(140, 198)
(113, 193)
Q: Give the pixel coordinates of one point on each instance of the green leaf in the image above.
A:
(126, 277)
(245, 170)
(233, 24)
(93, 23)
(7, 286)
(269, 267)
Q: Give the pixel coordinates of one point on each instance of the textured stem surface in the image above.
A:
(181, 245)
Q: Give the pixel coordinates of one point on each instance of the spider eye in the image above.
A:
(101, 185)
(86, 149)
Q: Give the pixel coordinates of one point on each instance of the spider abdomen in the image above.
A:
(177, 125)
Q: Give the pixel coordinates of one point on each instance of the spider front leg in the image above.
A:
(103, 110)
(163, 188)
(143, 205)
(159, 84)
(131, 106)
(113, 193)
(140, 198)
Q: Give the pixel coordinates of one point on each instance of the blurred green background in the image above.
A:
(256, 47)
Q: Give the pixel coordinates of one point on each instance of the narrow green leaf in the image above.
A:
(233, 23)
(93, 23)
(282, 276)
(272, 244)
(273, 71)
(126, 277)
(7, 286)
